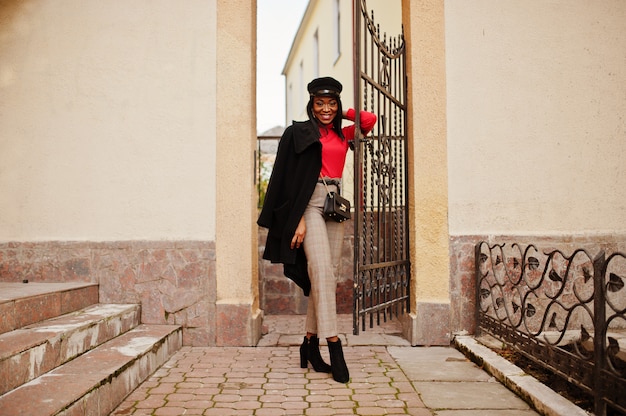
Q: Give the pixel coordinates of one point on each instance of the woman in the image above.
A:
(299, 236)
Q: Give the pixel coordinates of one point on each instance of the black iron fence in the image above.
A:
(566, 313)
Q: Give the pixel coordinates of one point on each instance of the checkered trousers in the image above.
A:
(323, 245)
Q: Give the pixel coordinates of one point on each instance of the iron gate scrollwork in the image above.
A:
(381, 245)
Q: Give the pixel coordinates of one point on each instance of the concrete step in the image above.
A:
(23, 304)
(31, 351)
(97, 381)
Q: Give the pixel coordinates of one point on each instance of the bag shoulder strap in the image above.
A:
(326, 186)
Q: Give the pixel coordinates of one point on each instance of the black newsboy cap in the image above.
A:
(325, 86)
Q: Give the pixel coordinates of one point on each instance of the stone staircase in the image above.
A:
(63, 353)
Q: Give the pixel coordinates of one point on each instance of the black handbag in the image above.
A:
(336, 207)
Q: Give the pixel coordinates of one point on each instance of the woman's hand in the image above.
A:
(298, 236)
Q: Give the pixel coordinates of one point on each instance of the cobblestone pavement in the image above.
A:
(388, 377)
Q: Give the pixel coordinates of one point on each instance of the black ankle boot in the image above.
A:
(310, 352)
(337, 362)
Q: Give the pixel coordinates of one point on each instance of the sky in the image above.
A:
(277, 23)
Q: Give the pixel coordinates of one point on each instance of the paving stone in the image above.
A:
(437, 364)
(484, 412)
(468, 396)
(386, 379)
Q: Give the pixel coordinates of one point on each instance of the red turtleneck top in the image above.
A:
(334, 149)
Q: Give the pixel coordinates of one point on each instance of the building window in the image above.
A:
(337, 28)
(316, 54)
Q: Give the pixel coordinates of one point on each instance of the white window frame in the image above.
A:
(337, 28)
(316, 54)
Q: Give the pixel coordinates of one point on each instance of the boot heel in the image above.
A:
(304, 354)
(310, 353)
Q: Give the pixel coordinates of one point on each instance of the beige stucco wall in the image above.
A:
(536, 104)
(236, 240)
(428, 154)
(238, 317)
(107, 115)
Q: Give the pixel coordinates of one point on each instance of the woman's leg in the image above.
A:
(335, 239)
(323, 244)
(321, 247)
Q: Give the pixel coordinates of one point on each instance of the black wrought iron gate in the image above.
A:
(381, 246)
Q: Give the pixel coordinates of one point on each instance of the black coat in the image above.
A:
(293, 180)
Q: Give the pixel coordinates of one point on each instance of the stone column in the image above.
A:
(238, 317)
(429, 321)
